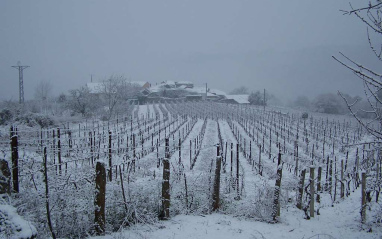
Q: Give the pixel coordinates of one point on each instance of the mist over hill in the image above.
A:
(286, 74)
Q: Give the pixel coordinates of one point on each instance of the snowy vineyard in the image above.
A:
(167, 159)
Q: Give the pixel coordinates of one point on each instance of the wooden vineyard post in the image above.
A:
(231, 158)
(378, 176)
(91, 148)
(342, 180)
(99, 201)
(323, 147)
(47, 194)
(244, 149)
(363, 199)
(296, 158)
(276, 203)
(142, 142)
(54, 147)
(311, 206)
(134, 153)
(330, 177)
(123, 190)
(70, 141)
(335, 179)
(357, 168)
(301, 189)
(190, 154)
(260, 172)
(346, 162)
(15, 160)
(250, 154)
(110, 160)
(152, 142)
(225, 156)
(270, 143)
(166, 183)
(216, 191)
(59, 150)
(237, 173)
(318, 199)
(327, 174)
(180, 150)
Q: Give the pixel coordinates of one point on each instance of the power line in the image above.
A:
(21, 81)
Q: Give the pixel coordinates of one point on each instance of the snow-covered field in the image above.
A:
(340, 221)
(247, 182)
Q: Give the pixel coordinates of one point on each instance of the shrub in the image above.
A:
(32, 120)
(5, 116)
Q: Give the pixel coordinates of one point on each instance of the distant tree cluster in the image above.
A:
(110, 100)
(257, 98)
(81, 101)
(112, 97)
(330, 103)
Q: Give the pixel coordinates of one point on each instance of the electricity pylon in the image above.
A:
(21, 81)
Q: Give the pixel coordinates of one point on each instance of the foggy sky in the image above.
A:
(283, 46)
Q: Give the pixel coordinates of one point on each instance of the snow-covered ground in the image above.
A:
(246, 216)
(14, 226)
(340, 221)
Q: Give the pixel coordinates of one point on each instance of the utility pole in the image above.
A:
(21, 81)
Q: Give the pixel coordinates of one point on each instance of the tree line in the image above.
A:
(331, 103)
(106, 100)
(328, 103)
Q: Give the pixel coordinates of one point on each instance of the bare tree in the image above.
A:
(82, 101)
(371, 15)
(258, 98)
(115, 91)
(43, 90)
(255, 98)
(111, 92)
(328, 103)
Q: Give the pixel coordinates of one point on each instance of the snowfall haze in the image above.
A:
(241, 119)
(283, 46)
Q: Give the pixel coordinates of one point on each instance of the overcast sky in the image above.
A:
(284, 46)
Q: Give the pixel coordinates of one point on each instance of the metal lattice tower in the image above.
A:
(21, 81)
